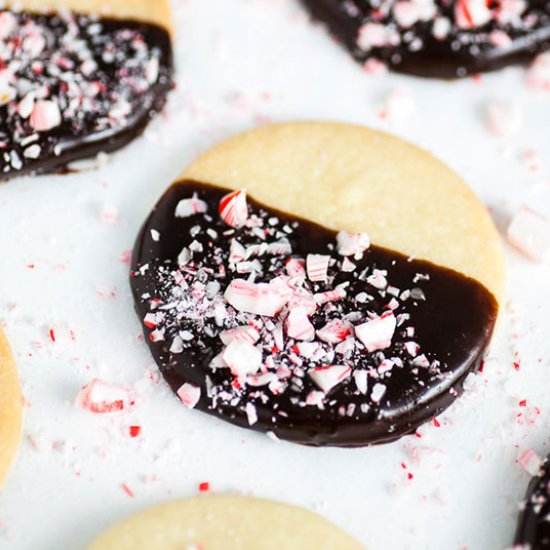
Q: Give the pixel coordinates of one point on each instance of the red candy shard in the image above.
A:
(102, 397)
(233, 209)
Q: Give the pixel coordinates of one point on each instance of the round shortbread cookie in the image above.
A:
(225, 523)
(83, 78)
(274, 311)
(355, 179)
(10, 407)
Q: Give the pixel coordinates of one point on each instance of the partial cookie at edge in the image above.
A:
(225, 523)
(322, 171)
(10, 408)
(149, 11)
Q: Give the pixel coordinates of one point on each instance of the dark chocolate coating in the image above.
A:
(453, 325)
(534, 523)
(85, 135)
(463, 52)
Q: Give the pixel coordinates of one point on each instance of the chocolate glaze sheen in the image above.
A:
(453, 318)
(463, 51)
(107, 91)
(534, 528)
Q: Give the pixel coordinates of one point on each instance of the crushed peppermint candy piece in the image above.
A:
(529, 232)
(242, 358)
(317, 267)
(352, 244)
(102, 397)
(298, 325)
(261, 299)
(377, 333)
(530, 461)
(328, 378)
(190, 207)
(190, 395)
(45, 116)
(233, 209)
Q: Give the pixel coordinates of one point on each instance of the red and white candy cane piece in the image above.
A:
(45, 115)
(298, 325)
(317, 267)
(529, 232)
(190, 207)
(242, 358)
(306, 349)
(304, 299)
(530, 461)
(296, 267)
(470, 14)
(377, 333)
(233, 209)
(260, 299)
(189, 395)
(248, 333)
(334, 331)
(361, 380)
(329, 377)
(339, 293)
(352, 244)
(102, 397)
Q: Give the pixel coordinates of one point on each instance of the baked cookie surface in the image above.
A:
(225, 523)
(273, 321)
(435, 38)
(10, 408)
(78, 83)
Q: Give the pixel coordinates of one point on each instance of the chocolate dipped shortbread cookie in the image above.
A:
(534, 523)
(437, 38)
(11, 404)
(225, 523)
(78, 78)
(324, 283)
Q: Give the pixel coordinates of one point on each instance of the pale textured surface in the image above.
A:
(151, 11)
(225, 523)
(60, 267)
(10, 407)
(353, 178)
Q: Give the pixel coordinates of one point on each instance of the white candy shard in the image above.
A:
(247, 333)
(45, 115)
(470, 14)
(233, 209)
(317, 267)
(377, 333)
(334, 331)
(190, 207)
(102, 397)
(530, 461)
(260, 299)
(529, 232)
(327, 378)
(251, 413)
(504, 118)
(189, 395)
(352, 244)
(378, 392)
(298, 325)
(361, 380)
(242, 358)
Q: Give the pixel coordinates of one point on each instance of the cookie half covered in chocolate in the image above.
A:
(435, 38)
(279, 307)
(534, 524)
(78, 80)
